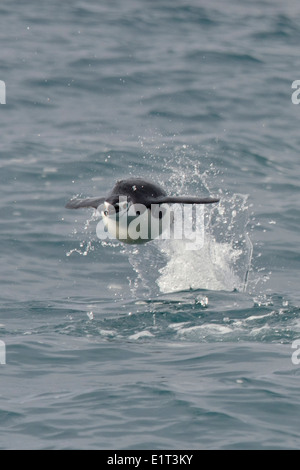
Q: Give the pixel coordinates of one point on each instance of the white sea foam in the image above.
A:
(141, 334)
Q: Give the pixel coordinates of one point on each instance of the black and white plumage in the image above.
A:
(131, 199)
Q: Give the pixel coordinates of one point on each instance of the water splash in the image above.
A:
(85, 248)
(222, 263)
(87, 244)
(224, 260)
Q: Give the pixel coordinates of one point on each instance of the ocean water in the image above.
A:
(154, 346)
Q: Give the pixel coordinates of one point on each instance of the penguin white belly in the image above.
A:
(138, 226)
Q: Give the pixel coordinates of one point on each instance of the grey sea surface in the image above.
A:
(153, 346)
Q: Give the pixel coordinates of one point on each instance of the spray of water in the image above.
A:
(222, 263)
(224, 260)
(87, 244)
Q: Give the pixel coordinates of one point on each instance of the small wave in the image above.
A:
(222, 56)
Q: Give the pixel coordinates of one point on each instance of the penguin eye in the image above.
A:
(105, 213)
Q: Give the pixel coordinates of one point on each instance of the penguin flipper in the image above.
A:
(184, 200)
(77, 203)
